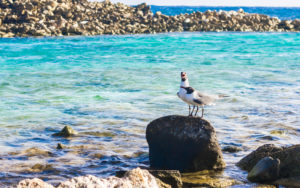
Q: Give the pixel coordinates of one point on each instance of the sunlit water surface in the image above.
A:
(108, 88)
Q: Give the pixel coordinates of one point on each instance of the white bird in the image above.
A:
(194, 97)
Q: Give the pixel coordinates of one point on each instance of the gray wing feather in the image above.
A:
(205, 99)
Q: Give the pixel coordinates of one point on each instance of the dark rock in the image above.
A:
(231, 149)
(120, 173)
(266, 170)
(288, 156)
(170, 177)
(248, 162)
(67, 131)
(289, 182)
(289, 161)
(183, 143)
(60, 146)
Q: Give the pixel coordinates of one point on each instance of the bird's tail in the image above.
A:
(222, 96)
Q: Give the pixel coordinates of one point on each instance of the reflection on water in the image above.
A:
(109, 88)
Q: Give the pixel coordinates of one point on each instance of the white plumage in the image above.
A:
(194, 97)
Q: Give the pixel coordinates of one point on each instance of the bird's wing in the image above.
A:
(205, 98)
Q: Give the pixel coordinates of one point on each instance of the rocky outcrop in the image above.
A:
(132, 179)
(287, 159)
(23, 18)
(67, 131)
(183, 143)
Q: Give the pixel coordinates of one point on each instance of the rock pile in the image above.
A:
(272, 164)
(23, 18)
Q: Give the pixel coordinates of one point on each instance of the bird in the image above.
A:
(193, 97)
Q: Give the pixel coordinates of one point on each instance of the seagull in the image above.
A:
(194, 97)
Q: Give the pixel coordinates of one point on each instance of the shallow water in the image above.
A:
(108, 88)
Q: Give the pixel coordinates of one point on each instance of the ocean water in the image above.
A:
(108, 88)
(283, 13)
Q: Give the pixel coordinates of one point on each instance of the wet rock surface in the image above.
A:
(23, 18)
(183, 143)
(266, 170)
(207, 178)
(288, 170)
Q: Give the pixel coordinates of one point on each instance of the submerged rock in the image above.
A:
(183, 143)
(67, 131)
(33, 152)
(266, 170)
(231, 149)
(60, 146)
(207, 178)
(40, 168)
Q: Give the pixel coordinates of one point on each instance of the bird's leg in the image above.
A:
(202, 111)
(197, 111)
(193, 110)
(189, 110)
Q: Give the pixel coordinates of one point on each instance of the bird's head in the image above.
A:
(183, 76)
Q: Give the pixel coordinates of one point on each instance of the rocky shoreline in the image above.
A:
(184, 152)
(28, 18)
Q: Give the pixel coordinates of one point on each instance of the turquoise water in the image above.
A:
(108, 88)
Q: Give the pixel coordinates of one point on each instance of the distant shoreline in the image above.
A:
(283, 13)
(221, 6)
(32, 18)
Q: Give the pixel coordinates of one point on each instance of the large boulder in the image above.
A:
(289, 167)
(183, 143)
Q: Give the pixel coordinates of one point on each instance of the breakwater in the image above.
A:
(81, 17)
